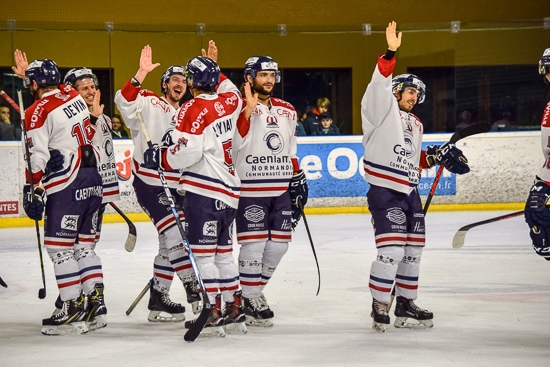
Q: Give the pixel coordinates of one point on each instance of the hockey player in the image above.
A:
(59, 121)
(203, 140)
(393, 157)
(265, 157)
(537, 211)
(159, 114)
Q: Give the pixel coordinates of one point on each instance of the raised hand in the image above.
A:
(97, 108)
(212, 51)
(392, 37)
(146, 64)
(21, 63)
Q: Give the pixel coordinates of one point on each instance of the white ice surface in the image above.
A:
(491, 301)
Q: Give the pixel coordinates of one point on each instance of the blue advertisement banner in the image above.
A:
(335, 170)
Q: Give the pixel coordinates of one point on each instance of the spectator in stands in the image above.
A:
(7, 129)
(300, 116)
(311, 123)
(506, 122)
(119, 129)
(465, 119)
(326, 127)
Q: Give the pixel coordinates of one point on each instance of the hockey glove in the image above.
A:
(541, 242)
(298, 191)
(55, 163)
(536, 211)
(34, 207)
(449, 156)
(151, 157)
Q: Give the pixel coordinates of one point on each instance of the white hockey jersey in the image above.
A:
(106, 166)
(59, 120)
(545, 143)
(392, 138)
(160, 119)
(265, 149)
(203, 144)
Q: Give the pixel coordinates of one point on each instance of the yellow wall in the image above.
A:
(320, 34)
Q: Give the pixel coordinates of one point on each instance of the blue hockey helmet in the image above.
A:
(204, 72)
(174, 69)
(400, 82)
(44, 72)
(79, 73)
(544, 62)
(259, 63)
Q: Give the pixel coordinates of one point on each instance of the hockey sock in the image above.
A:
(250, 268)
(273, 253)
(229, 276)
(210, 274)
(179, 259)
(383, 270)
(406, 280)
(90, 267)
(67, 273)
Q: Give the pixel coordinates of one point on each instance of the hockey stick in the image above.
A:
(132, 234)
(301, 206)
(2, 283)
(458, 239)
(41, 291)
(195, 327)
(9, 100)
(139, 297)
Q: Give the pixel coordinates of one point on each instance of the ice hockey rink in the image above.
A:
(490, 299)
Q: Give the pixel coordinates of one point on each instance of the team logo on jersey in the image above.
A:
(210, 228)
(163, 199)
(109, 150)
(219, 108)
(159, 103)
(254, 213)
(396, 215)
(410, 149)
(68, 222)
(272, 121)
(274, 141)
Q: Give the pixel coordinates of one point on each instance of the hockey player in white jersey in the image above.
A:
(59, 121)
(159, 114)
(266, 162)
(203, 140)
(537, 211)
(392, 139)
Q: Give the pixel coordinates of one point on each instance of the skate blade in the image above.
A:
(97, 322)
(212, 332)
(74, 328)
(196, 308)
(403, 323)
(251, 321)
(236, 328)
(159, 316)
(378, 327)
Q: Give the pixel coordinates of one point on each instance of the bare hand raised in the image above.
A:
(393, 38)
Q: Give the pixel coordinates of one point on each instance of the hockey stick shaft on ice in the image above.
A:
(197, 325)
(458, 239)
(42, 291)
(139, 297)
(2, 283)
(301, 206)
(132, 233)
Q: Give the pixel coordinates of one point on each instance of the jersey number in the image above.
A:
(83, 135)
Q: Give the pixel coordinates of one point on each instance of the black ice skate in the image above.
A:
(193, 296)
(214, 324)
(69, 320)
(96, 309)
(160, 305)
(233, 315)
(380, 317)
(406, 309)
(258, 312)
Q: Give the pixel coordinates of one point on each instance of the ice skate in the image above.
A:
(406, 309)
(380, 317)
(258, 312)
(214, 324)
(162, 309)
(69, 320)
(233, 315)
(193, 296)
(96, 309)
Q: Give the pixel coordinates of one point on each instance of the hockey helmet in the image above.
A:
(44, 72)
(204, 72)
(259, 63)
(174, 69)
(544, 62)
(79, 73)
(400, 82)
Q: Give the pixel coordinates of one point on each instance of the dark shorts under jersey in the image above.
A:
(265, 218)
(397, 218)
(209, 225)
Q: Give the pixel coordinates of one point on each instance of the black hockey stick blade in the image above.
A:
(2, 283)
(195, 327)
(301, 206)
(458, 239)
(474, 129)
(132, 232)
